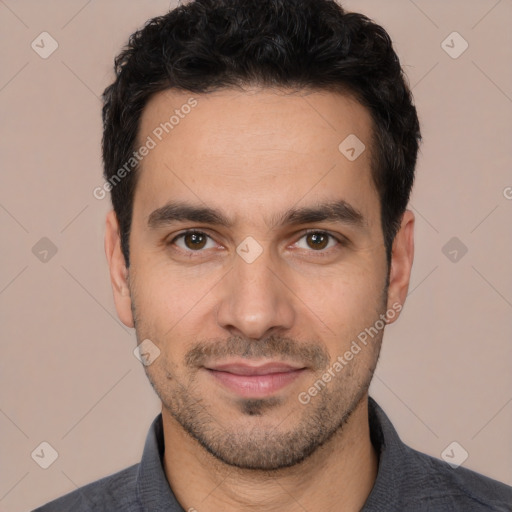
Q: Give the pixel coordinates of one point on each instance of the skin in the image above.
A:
(254, 155)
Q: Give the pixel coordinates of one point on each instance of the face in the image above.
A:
(257, 268)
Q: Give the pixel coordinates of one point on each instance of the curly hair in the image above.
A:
(206, 45)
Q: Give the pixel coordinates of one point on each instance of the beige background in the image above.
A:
(68, 374)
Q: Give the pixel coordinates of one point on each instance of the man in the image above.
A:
(260, 156)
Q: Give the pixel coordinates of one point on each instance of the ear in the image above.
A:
(118, 270)
(402, 256)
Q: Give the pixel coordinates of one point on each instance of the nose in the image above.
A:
(255, 301)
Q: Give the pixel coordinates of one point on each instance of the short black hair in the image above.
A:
(207, 45)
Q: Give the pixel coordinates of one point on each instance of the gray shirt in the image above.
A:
(407, 480)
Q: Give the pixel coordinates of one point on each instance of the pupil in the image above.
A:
(319, 241)
(195, 241)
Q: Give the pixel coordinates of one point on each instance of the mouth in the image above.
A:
(255, 381)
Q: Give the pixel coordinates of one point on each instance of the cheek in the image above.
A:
(343, 305)
(158, 290)
(170, 305)
(349, 291)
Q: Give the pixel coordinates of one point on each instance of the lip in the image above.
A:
(255, 381)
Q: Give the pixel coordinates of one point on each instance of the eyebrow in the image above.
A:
(333, 211)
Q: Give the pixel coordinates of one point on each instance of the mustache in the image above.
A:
(272, 347)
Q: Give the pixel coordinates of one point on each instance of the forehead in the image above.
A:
(258, 147)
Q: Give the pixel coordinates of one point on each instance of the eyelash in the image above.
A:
(340, 240)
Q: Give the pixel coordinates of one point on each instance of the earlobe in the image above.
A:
(402, 257)
(118, 270)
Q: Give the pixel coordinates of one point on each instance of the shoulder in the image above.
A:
(443, 487)
(111, 493)
(411, 480)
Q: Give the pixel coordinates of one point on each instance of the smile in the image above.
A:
(255, 381)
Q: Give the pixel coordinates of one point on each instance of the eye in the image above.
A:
(193, 241)
(317, 240)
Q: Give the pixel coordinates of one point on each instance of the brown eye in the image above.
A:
(317, 241)
(195, 241)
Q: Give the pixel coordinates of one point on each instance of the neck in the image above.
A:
(338, 476)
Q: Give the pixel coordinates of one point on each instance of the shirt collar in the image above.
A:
(393, 457)
(153, 490)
